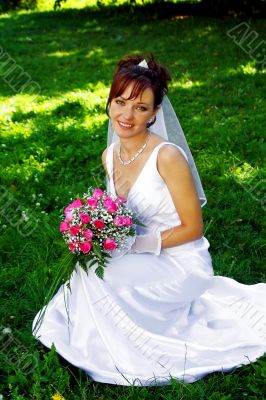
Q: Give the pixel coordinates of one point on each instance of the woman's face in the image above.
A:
(129, 117)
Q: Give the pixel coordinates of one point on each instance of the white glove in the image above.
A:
(150, 243)
(120, 252)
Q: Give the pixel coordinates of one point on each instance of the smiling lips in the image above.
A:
(124, 125)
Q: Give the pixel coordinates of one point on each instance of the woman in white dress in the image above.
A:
(160, 313)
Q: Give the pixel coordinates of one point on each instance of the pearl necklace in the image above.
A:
(135, 156)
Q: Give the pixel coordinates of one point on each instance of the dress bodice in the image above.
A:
(149, 197)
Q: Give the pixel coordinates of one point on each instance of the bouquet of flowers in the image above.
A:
(97, 227)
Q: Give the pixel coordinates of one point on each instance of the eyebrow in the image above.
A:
(140, 102)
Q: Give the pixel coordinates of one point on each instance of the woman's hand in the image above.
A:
(150, 243)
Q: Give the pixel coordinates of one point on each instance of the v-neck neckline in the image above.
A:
(138, 177)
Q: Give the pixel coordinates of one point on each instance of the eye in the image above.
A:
(119, 102)
(142, 108)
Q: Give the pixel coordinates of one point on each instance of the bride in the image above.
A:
(160, 313)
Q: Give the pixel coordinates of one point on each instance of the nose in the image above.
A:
(128, 113)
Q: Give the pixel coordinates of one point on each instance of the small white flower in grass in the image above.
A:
(24, 215)
(6, 331)
(3, 226)
(1, 397)
(37, 204)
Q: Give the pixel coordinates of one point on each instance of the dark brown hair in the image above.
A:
(155, 77)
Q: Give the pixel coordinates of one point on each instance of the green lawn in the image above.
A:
(51, 144)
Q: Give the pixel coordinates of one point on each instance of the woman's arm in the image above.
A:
(175, 171)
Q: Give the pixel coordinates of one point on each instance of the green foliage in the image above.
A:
(6, 5)
(192, 7)
(57, 3)
(206, 7)
(221, 7)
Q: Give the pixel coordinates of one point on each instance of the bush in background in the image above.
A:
(6, 5)
(208, 7)
(221, 7)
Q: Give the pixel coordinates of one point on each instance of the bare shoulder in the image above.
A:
(170, 156)
(172, 165)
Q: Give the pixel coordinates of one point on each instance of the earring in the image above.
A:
(151, 122)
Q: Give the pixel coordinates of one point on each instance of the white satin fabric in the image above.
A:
(155, 317)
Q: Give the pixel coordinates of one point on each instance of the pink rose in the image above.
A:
(87, 234)
(112, 207)
(98, 223)
(93, 203)
(64, 226)
(75, 229)
(72, 246)
(85, 247)
(85, 218)
(76, 204)
(97, 194)
(108, 200)
(69, 216)
(120, 200)
(109, 244)
(118, 220)
(128, 221)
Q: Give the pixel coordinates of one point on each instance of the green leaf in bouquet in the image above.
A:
(97, 250)
(137, 222)
(99, 271)
(91, 263)
(83, 265)
(107, 255)
(132, 232)
(106, 258)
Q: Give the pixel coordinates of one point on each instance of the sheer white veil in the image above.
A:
(168, 127)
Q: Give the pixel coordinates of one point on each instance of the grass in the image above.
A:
(51, 146)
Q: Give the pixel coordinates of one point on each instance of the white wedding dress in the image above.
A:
(155, 317)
